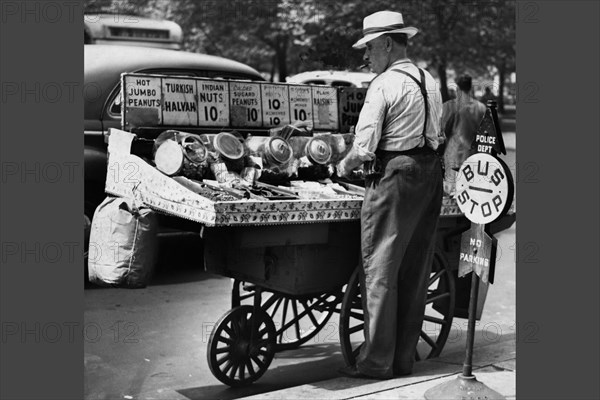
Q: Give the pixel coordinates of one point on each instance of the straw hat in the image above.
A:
(383, 22)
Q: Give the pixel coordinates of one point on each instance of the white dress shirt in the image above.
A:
(393, 115)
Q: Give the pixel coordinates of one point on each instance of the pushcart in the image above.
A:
(293, 265)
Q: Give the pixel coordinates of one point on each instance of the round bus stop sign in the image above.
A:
(484, 188)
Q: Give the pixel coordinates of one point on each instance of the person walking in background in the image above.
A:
(460, 119)
(397, 136)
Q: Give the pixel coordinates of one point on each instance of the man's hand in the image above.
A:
(341, 169)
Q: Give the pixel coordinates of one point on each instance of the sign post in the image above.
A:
(484, 192)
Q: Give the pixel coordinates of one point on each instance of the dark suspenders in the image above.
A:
(421, 85)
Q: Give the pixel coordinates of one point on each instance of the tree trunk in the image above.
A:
(501, 78)
(441, 69)
(281, 54)
(273, 62)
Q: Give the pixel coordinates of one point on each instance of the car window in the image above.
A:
(341, 84)
(315, 82)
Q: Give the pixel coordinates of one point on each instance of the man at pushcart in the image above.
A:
(397, 135)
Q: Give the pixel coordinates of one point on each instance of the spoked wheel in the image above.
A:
(439, 313)
(439, 310)
(297, 318)
(241, 346)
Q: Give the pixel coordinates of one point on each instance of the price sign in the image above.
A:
(179, 102)
(350, 103)
(213, 103)
(325, 108)
(300, 103)
(275, 105)
(142, 101)
(245, 104)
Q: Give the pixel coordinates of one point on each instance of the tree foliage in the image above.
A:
(284, 37)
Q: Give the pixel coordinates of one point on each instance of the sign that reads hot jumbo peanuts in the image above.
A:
(351, 101)
(141, 100)
(300, 103)
(180, 107)
(275, 104)
(245, 104)
(213, 103)
(325, 108)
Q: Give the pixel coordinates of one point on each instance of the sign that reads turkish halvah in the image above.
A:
(179, 102)
(213, 103)
(300, 103)
(245, 104)
(275, 105)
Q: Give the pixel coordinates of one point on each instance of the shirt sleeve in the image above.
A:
(368, 128)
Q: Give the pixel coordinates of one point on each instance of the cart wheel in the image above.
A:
(297, 318)
(236, 357)
(439, 313)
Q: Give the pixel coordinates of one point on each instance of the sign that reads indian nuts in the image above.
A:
(213, 103)
(483, 188)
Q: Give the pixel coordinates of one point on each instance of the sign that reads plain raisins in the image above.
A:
(325, 107)
(213, 103)
(244, 104)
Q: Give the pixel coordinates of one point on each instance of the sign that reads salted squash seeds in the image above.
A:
(245, 104)
(275, 105)
(180, 107)
(325, 107)
(213, 103)
(300, 103)
(141, 101)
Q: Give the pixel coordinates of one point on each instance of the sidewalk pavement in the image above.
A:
(494, 365)
(510, 140)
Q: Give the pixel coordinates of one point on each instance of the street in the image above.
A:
(151, 343)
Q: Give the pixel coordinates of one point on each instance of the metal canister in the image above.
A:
(277, 151)
(318, 151)
(183, 153)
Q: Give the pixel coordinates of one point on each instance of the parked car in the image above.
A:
(103, 66)
(334, 78)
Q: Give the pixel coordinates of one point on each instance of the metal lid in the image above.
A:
(169, 158)
(229, 146)
(318, 151)
(194, 149)
(279, 150)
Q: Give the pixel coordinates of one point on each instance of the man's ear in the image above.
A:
(389, 44)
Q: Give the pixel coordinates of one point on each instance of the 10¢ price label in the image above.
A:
(275, 105)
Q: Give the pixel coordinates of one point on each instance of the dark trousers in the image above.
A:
(398, 225)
